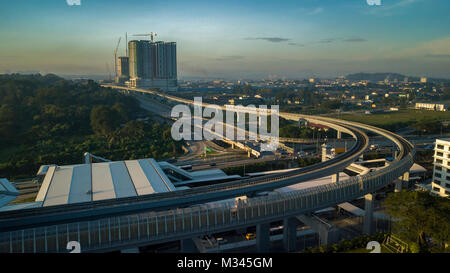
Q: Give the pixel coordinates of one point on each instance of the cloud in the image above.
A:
(438, 48)
(348, 40)
(230, 58)
(439, 56)
(316, 11)
(327, 41)
(434, 53)
(355, 40)
(296, 44)
(270, 39)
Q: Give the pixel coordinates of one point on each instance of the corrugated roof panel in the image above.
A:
(211, 173)
(2, 188)
(5, 199)
(166, 165)
(140, 181)
(21, 206)
(155, 180)
(8, 186)
(102, 184)
(45, 184)
(168, 186)
(58, 191)
(81, 187)
(123, 185)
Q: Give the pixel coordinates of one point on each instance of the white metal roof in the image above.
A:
(312, 183)
(7, 192)
(207, 173)
(416, 168)
(27, 205)
(100, 181)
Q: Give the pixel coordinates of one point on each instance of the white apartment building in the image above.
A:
(431, 106)
(441, 174)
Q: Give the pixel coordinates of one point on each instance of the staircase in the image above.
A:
(395, 245)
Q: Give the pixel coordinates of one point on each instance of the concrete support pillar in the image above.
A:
(249, 153)
(402, 180)
(188, 246)
(263, 238)
(290, 234)
(232, 146)
(368, 227)
(328, 233)
(339, 135)
(130, 250)
(328, 236)
(335, 178)
(398, 185)
(406, 179)
(325, 151)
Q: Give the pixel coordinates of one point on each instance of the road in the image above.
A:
(196, 148)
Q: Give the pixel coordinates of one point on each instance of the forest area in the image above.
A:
(50, 120)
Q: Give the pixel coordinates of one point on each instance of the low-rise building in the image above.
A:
(431, 106)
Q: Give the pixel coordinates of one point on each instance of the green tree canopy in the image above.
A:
(420, 217)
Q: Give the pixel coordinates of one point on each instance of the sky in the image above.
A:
(233, 39)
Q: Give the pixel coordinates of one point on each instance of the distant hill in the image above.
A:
(376, 77)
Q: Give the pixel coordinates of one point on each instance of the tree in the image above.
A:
(420, 216)
(103, 120)
(48, 120)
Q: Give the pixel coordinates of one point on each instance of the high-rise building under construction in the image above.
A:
(152, 64)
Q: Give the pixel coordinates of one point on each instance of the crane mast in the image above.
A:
(115, 59)
(151, 35)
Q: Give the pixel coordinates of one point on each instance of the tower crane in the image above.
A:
(115, 58)
(151, 35)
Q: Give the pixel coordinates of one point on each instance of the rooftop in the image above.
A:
(100, 181)
(7, 192)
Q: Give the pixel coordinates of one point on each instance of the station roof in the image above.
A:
(416, 168)
(7, 192)
(101, 181)
(208, 174)
(312, 183)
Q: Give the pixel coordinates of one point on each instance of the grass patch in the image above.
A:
(395, 120)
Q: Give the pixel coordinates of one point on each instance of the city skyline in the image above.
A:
(233, 40)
